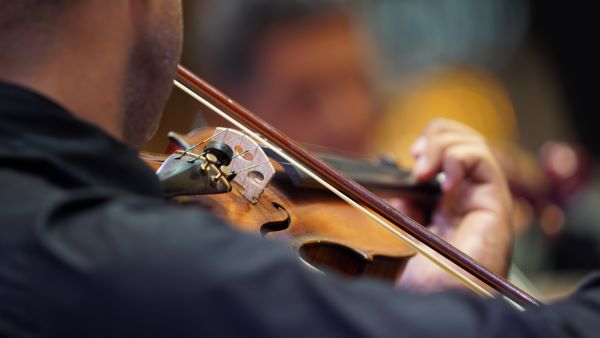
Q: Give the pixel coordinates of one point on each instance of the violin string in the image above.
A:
(326, 150)
(241, 137)
(248, 168)
(244, 152)
(407, 238)
(285, 163)
(198, 144)
(197, 157)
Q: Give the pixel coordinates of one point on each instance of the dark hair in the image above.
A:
(233, 27)
(23, 22)
(16, 14)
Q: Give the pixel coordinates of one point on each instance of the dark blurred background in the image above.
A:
(365, 77)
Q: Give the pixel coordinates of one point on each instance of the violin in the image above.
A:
(271, 198)
(230, 174)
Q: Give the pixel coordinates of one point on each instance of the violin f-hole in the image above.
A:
(276, 225)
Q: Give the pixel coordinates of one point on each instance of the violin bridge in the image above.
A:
(252, 167)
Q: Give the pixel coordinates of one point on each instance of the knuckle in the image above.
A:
(454, 154)
(479, 137)
(435, 126)
(436, 145)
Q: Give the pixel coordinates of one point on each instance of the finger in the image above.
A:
(472, 160)
(441, 125)
(454, 174)
(419, 146)
(429, 159)
(474, 178)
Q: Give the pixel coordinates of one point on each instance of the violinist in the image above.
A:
(88, 248)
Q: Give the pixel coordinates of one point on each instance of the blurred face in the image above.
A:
(153, 60)
(310, 80)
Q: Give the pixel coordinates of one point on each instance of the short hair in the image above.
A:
(24, 22)
(232, 27)
(19, 13)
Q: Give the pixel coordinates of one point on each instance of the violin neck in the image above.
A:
(381, 176)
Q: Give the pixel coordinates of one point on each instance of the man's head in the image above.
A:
(300, 64)
(109, 62)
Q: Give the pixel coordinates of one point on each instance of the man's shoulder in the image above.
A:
(39, 211)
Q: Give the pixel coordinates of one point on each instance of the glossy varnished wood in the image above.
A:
(326, 232)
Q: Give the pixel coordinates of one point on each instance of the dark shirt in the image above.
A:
(89, 249)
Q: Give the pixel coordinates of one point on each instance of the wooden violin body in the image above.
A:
(327, 233)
